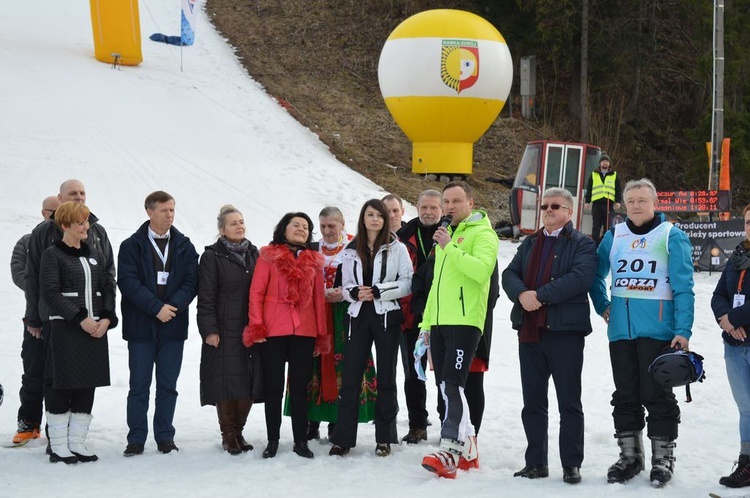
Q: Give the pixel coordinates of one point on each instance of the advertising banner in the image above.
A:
(713, 241)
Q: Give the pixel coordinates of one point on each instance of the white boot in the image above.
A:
(77, 432)
(57, 426)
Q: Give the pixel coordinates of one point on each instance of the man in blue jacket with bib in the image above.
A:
(651, 308)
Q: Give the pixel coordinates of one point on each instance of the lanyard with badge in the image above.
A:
(739, 299)
(161, 276)
(421, 244)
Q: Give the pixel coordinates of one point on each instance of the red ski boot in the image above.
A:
(443, 462)
(470, 457)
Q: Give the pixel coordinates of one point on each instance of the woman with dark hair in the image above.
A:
(229, 371)
(81, 299)
(732, 311)
(323, 393)
(287, 316)
(376, 272)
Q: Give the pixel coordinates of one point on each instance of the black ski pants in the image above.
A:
(474, 392)
(368, 327)
(31, 393)
(635, 389)
(452, 348)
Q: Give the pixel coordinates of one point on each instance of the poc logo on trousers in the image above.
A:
(459, 359)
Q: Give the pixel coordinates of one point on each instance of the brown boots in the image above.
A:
(232, 417)
(243, 409)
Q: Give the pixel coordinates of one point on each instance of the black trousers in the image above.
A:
(636, 389)
(71, 400)
(366, 328)
(558, 355)
(275, 353)
(474, 392)
(452, 348)
(414, 389)
(31, 393)
(600, 218)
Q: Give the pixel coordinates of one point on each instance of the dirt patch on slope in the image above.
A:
(319, 59)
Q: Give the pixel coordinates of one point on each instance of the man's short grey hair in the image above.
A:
(642, 183)
(559, 192)
(331, 212)
(430, 192)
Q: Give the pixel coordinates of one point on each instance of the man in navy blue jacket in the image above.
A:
(547, 281)
(158, 280)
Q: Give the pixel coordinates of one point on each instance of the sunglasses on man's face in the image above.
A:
(554, 207)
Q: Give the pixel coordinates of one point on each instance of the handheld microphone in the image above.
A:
(446, 221)
(443, 224)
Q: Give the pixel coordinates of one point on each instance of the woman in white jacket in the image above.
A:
(376, 272)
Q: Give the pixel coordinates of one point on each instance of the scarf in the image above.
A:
(539, 272)
(295, 248)
(237, 249)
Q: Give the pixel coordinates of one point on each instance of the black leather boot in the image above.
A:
(301, 448)
(313, 430)
(271, 448)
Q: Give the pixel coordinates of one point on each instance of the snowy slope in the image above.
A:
(209, 135)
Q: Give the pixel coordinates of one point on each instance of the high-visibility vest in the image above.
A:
(601, 190)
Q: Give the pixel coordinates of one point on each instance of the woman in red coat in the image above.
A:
(287, 316)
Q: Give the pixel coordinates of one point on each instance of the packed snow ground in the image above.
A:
(210, 135)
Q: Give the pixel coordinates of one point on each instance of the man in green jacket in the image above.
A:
(465, 256)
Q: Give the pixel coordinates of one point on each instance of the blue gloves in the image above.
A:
(420, 348)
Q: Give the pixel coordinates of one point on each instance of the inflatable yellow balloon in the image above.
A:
(445, 76)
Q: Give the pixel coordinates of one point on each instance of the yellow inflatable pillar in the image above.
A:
(445, 76)
(117, 30)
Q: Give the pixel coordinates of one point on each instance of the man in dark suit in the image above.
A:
(548, 282)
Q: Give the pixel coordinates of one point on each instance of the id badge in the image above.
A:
(739, 300)
(162, 277)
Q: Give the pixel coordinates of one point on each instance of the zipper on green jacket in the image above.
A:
(437, 295)
(461, 298)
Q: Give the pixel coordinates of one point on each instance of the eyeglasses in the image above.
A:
(554, 207)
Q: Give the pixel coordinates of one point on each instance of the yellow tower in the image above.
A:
(445, 76)
(117, 31)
